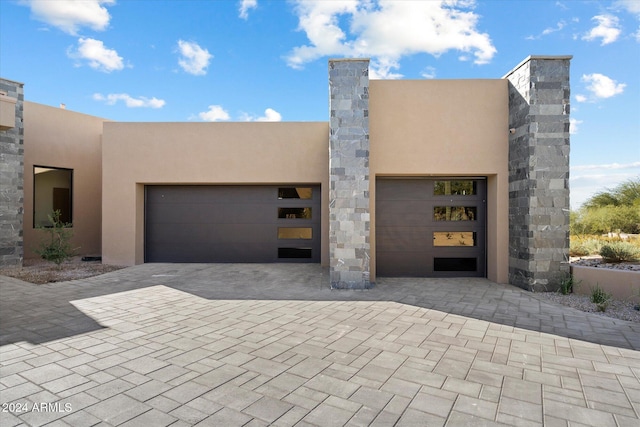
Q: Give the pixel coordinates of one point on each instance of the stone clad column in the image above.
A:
(539, 172)
(11, 172)
(349, 174)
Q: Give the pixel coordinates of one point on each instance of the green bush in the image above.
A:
(585, 245)
(600, 298)
(57, 246)
(620, 252)
(566, 286)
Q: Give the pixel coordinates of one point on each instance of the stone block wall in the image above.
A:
(12, 180)
(539, 172)
(349, 174)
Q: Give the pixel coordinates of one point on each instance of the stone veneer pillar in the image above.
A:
(349, 174)
(539, 172)
(11, 177)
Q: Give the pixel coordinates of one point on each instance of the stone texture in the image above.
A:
(539, 93)
(349, 174)
(12, 181)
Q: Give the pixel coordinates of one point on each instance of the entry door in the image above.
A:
(431, 227)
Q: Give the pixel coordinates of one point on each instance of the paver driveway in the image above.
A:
(225, 345)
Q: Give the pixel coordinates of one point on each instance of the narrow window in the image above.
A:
(454, 238)
(455, 264)
(294, 213)
(455, 188)
(294, 252)
(52, 191)
(455, 213)
(295, 193)
(295, 233)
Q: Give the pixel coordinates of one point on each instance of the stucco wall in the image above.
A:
(445, 128)
(61, 138)
(135, 154)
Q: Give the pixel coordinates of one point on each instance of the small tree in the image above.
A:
(56, 247)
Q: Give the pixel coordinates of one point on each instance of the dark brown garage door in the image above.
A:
(430, 227)
(232, 223)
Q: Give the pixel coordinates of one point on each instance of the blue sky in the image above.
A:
(161, 60)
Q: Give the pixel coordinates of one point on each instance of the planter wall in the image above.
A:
(622, 284)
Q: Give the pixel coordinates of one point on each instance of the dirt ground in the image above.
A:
(40, 272)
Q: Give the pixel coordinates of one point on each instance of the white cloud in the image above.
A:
(581, 98)
(549, 30)
(632, 6)
(608, 29)
(194, 59)
(573, 125)
(215, 114)
(428, 73)
(270, 115)
(97, 55)
(387, 30)
(602, 86)
(141, 102)
(245, 5)
(71, 15)
(608, 166)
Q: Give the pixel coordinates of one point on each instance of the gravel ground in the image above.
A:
(624, 310)
(39, 272)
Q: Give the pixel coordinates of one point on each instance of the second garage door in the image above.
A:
(430, 227)
(232, 223)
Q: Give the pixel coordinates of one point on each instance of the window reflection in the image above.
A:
(295, 193)
(454, 238)
(455, 213)
(294, 213)
(294, 233)
(455, 188)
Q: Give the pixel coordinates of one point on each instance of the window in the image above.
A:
(52, 190)
(455, 213)
(454, 238)
(294, 213)
(295, 193)
(295, 233)
(455, 188)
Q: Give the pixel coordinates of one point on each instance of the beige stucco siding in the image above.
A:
(137, 154)
(61, 138)
(445, 128)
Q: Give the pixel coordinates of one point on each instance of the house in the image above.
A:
(428, 178)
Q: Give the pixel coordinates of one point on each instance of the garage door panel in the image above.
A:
(211, 213)
(409, 213)
(231, 224)
(403, 264)
(403, 189)
(419, 231)
(402, 238)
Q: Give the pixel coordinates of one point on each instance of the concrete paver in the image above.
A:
(196, 344)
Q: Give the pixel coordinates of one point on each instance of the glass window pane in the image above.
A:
(454, 238)
(295, 193)
(294, 232)
(294, 213)
(294, 252)
(52, 191)
(455, 188)
(455, 264)
(455, 213)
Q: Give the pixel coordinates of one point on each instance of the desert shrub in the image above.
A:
(585, 245)
(620, 252)
(600, 298)
(56, 246)
(566, 286)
